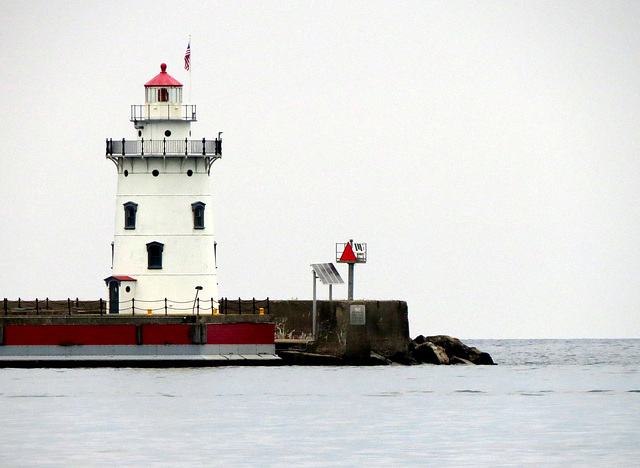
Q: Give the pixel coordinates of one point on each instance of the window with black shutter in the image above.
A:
(198, 215)
(130, 209)
(154, 255)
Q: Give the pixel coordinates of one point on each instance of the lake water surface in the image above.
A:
(547, 403)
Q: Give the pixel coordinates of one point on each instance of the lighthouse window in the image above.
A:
(167, 133)
(155, 173)
(189, 172)
(198, 215)
(163, 95)
(154, 255)
(130, 209)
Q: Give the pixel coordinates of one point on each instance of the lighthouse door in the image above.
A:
(114, 297)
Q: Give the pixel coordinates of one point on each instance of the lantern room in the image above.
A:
(163, 115)
(163, 88)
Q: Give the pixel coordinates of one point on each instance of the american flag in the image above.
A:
(187, 57)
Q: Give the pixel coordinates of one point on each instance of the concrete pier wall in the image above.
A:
(385, 330)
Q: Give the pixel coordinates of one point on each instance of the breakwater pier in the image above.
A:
(72, 333)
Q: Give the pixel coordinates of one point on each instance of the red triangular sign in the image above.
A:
(348, 255)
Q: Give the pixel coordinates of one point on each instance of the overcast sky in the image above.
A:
(488, 153)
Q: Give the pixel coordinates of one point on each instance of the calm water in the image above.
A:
(548, 403)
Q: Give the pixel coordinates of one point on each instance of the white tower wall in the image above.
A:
(161, 175)
(156, 130)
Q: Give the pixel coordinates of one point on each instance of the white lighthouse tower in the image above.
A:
(163, 253)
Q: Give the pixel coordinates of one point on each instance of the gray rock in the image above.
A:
(405, 358)
(452, 346)
(459, 361)
(478, 357)
(429, 353)
(379, 360)
(455, 348)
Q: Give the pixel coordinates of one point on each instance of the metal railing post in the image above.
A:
(123, 147)
(239, 306)
(37, 309)
(198, 301)
(204, 151)
(69, 305)
(165, 306)
(133, 306)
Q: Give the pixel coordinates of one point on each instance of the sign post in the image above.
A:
(351, 253)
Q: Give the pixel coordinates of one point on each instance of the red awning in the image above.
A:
(119, 278)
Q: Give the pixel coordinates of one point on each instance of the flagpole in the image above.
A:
(190, 88)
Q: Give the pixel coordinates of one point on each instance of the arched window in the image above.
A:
(198, 215)
(154, 255)
(130, 209)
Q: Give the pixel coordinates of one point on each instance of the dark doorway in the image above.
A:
(114, 297)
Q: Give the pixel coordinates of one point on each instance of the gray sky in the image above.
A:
(487, 152)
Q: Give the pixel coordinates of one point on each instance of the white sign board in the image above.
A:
(358, 315)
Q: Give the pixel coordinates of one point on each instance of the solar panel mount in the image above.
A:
(327, 273)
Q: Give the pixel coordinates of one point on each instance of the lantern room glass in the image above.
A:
(163, 94)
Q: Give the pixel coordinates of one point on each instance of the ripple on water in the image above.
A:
(383, 394)
(36, 396)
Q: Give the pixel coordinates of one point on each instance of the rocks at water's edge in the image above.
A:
(441, 349)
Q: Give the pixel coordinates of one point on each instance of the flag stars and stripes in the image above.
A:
(187, 57)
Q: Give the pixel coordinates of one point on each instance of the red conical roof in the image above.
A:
(163, 79)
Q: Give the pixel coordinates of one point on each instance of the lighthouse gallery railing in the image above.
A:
(161, 111)
(164, 147)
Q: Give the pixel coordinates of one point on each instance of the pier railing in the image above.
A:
(164, 147)
(134, 306)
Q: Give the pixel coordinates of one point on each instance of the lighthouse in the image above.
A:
(163, 252)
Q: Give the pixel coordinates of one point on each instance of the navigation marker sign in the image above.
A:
(352, 253)
(347, 254)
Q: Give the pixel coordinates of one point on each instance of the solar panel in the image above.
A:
(327, 273)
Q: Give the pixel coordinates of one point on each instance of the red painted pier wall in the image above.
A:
(130, 334)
